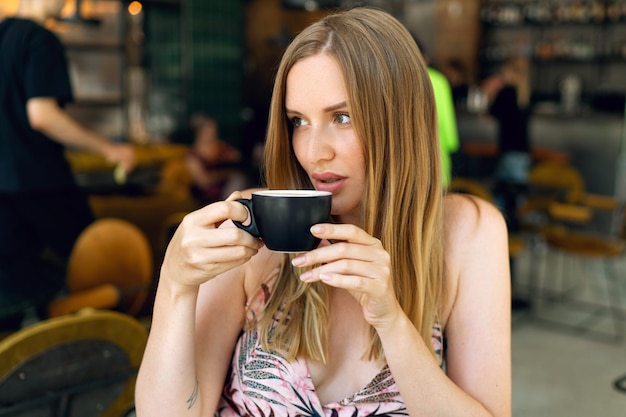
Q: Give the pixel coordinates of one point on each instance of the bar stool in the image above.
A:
(565, 231)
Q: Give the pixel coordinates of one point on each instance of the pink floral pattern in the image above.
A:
(263, 383)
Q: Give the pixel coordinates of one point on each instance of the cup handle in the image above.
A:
(251, 228)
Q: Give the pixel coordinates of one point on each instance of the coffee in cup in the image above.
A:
(283, 218)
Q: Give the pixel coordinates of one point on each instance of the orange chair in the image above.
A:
(111, 266)
(558, 198)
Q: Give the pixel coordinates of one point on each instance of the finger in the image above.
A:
(346, 267)
(222, 258)
(222, 237)
(216, 213)
(373, 252)
(343, 232)
(234, 196)
(353, 283)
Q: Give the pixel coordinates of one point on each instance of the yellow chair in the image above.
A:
(557, 195)
(111, 266)
(76, 365)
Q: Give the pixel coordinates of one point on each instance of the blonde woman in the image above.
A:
(407, 312)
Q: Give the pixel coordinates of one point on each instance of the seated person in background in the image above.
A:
(212, 162)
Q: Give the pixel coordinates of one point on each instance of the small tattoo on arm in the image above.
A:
(193, 397)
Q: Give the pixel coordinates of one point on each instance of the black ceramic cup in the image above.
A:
(283, 218)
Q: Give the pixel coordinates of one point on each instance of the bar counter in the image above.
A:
(591, 140)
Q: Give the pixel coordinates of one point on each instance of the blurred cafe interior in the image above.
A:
(147, 71)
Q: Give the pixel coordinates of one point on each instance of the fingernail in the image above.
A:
(317, 229)
(306, 275)
(297, 261)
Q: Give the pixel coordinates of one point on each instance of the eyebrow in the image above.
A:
(331, 108)
(336, 106)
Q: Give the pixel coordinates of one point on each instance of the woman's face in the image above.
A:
(324, 139)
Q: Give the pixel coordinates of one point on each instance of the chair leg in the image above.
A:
(615, 298)
(537, 270)
(620, 384)
(561, 292)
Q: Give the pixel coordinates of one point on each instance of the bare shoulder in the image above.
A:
(477, 320)
(476, 239)
(468, 218)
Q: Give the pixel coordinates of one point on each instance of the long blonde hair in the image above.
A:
(393, 114)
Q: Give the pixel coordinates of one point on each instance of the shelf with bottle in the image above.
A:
(554, 51)
(564, 39)
(517, 13)
(548, 32)
(95, 36)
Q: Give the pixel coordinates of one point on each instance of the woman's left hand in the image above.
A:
(358, 263)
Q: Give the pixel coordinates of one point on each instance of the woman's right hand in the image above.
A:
(201, 249)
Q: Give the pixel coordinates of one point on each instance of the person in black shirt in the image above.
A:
(508, 96)
(42, 210)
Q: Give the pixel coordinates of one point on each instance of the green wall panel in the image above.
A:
(194, 52)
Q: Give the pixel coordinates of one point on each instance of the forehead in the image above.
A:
(317, 79)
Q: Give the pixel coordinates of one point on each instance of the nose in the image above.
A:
(320, 145)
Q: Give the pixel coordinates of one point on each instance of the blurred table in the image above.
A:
(143, 199)
(148, 155)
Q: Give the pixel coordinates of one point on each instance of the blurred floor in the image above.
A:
(557, 373)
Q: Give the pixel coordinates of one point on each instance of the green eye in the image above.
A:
(297, 121)
(342, 118)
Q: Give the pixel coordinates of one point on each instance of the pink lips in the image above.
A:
(327, 181)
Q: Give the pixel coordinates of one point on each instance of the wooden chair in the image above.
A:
(76, 365)
(557, 192)
(111, 266)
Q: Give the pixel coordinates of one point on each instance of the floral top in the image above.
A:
(263, 383)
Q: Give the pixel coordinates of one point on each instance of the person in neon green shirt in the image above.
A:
(446, 118)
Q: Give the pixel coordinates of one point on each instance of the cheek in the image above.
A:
(298, 149)
(353, 152)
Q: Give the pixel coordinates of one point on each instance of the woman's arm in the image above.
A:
(478, 380)
(477, 322)
(203, 266)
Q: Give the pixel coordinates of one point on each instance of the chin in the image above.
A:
(339, 210)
